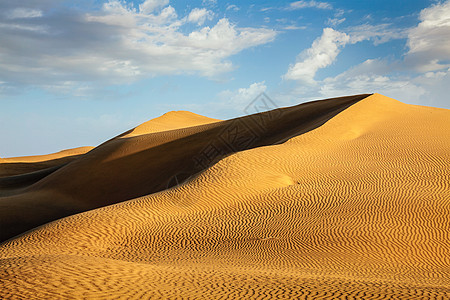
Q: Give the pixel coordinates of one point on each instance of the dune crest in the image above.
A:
(170, 121)
(355, 207)
(46, 157)
(13, 166)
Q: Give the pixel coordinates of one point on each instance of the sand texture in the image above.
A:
(343, 198)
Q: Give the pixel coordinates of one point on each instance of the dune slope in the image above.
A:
(133, 165)
(355, 208)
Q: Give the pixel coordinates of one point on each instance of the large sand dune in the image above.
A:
(133, 165)
(335, 199)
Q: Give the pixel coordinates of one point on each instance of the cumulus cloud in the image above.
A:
(309, 4)
(421, 77)
(325, 49)
(200, 15)
(429, 42)
(117, 44)
(322, 53)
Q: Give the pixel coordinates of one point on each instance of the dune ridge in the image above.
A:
(13, 166)
(170, 121)
(354, 208)
(124, 167)
(46, 157)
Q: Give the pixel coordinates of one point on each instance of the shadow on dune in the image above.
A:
(128, 167)
(20, 168)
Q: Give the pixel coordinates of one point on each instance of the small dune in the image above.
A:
(47, 157)
(343, 198)
(26, 164)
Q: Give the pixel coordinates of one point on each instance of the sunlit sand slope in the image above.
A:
(47, 157)
(170, 121)
(356, 208)
(128, 167)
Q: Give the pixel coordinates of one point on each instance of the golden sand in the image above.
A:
(355, 208)
(40, 158)
(170, 121)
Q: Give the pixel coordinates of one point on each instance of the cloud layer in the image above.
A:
(52, 45)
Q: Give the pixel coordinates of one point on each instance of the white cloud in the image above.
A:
(362, 81)
(200, 15)
(309, 4)
(335, 21)
(375, 76)
(24, 27)
(209, 2)
(232, 103)
(379, 34)
(118, 44)
(322, 53)
(24, 13)
(294, 27)
(232, 7)
(325, 49)
(149, 6)
(244, 96)
(429, 42)
(422, 77)
(227, 104)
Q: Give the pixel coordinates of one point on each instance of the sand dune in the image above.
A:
(128, 167)
(170, 121)
(342, 198)
(12, 166)
(48, 157)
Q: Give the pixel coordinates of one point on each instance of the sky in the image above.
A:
(77, 73)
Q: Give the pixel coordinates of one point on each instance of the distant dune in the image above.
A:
(47, 157)
(170, 121)
(334, 199)
(26, 164)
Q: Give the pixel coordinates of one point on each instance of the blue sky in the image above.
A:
(76, 73)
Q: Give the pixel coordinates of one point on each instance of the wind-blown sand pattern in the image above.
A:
(350, 202)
